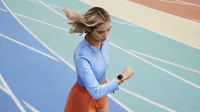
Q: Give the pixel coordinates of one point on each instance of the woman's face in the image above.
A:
(100, 33)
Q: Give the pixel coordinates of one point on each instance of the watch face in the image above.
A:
(120, 76)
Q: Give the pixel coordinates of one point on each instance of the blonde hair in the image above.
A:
(86, 22)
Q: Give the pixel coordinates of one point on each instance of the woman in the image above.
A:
(89, 93)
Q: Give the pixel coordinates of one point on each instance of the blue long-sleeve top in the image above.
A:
(91, 64)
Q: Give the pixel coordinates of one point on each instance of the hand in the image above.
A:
(127, 73)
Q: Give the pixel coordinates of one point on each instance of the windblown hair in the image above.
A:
(85, 22)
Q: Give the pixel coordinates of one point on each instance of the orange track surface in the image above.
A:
(186, 11)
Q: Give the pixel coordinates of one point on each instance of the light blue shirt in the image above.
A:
(91, 64)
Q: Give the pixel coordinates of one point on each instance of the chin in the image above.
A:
(103, 40)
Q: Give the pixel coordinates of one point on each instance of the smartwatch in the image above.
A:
(120, 77)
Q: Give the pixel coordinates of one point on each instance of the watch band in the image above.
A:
(122, 80)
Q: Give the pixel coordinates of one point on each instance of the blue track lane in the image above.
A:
(11, 28)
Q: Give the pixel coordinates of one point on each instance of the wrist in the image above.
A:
(118, 81)
(124, 77)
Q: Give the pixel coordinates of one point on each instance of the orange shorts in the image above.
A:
(79, 100)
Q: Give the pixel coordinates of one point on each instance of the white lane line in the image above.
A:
(180, 2)
(52, 9)
(164, 61)
(188, 3)
(3, 89)
(3, 10)
(120, 103)
(55, 6)
(34, 1)
(30, 107)
(175, 2)
(147, 100)
(11, 94)
(156, 66)
(15, 41)
(41, 22)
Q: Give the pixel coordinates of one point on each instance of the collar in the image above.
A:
(94, 48)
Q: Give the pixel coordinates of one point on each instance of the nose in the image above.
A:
(105, 35)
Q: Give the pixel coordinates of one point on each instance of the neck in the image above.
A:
(92, 41)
